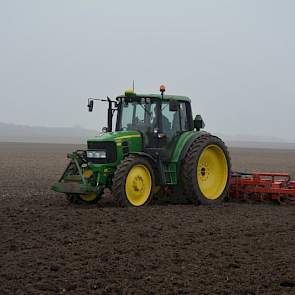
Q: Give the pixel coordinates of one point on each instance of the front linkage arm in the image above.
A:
(73, 180)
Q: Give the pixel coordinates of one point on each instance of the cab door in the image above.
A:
(170, 121)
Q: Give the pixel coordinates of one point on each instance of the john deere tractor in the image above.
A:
(155, 146)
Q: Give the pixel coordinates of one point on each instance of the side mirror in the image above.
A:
(90, 105)
(173, 106)
(198, 122)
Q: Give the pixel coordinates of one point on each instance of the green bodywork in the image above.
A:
(77, 183)
(102, 172)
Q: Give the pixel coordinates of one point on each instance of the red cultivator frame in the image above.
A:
(262, 187)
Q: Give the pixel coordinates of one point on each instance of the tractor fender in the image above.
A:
(156, 164)
(183, 146)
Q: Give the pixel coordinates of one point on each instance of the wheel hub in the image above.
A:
(138, 184)
(204, 171)
(212, 172)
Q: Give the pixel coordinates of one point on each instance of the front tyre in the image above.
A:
(133, 182)
(206, 169)
(88, 199)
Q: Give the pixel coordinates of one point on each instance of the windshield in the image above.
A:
(138, 116)
(152, 117)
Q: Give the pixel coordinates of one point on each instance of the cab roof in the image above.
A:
(159, 96)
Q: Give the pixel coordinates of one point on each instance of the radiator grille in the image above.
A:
(108, 146)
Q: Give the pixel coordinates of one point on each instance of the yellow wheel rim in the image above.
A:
(212, 172)
(138, 185)
(88, 198)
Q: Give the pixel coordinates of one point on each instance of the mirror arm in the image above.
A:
(101, 99)
(111, 110)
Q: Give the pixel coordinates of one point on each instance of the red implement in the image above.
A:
(258, 186)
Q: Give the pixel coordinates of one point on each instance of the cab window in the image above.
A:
(174, 122)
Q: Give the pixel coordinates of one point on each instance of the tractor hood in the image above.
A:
(116, 144)
(117, 136)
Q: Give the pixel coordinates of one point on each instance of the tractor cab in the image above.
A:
(161, 119)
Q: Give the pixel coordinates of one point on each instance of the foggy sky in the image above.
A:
(235, 59)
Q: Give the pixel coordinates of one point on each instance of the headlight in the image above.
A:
(97, 154)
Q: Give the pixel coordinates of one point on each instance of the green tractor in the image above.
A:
(156, 146)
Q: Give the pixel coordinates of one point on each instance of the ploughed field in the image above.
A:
(50, 247)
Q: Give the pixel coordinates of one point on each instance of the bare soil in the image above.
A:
(50, 247)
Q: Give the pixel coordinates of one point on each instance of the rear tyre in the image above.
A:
(133, 182)
(205, 172)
